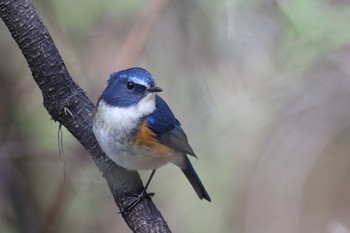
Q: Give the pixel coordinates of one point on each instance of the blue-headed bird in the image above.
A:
(137, 130)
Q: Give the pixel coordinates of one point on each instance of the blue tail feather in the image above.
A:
(193, 178)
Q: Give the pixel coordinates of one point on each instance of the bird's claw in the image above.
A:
(143, 195)
(137, 200)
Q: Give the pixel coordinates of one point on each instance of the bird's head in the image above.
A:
(128, 87)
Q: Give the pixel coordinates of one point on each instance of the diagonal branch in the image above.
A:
(63, 96)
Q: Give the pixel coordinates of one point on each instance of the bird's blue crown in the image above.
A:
(135, 74)
(127, 87)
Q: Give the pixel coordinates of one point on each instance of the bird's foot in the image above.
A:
(137, 200)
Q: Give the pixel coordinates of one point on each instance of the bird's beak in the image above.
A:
(155, 89)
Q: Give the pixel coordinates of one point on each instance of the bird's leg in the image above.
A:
(142, 195)
(149, 180)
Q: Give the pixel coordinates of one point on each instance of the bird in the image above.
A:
(137, 130)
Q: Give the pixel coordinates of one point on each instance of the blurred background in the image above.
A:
(262, 89)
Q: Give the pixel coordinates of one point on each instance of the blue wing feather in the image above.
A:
(167, 128)
(162, 119)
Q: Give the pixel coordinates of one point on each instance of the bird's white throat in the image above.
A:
(124, 118)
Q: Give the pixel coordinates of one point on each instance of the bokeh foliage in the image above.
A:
(261, 88)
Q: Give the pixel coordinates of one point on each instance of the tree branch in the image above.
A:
(67, 103)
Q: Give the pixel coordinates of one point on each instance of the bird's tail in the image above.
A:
(196, 183)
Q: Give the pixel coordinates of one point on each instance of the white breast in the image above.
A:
(112, 127)
(123, 119)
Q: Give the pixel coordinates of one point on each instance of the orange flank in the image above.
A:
(147, 137)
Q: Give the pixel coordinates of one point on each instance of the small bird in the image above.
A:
(138, 131)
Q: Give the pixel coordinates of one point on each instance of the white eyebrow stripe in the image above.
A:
(140, 82)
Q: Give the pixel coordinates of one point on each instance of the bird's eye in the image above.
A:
(130, 86)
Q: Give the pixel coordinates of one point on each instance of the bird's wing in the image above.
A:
(167, 128)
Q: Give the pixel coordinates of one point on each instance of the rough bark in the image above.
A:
(67, 103)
